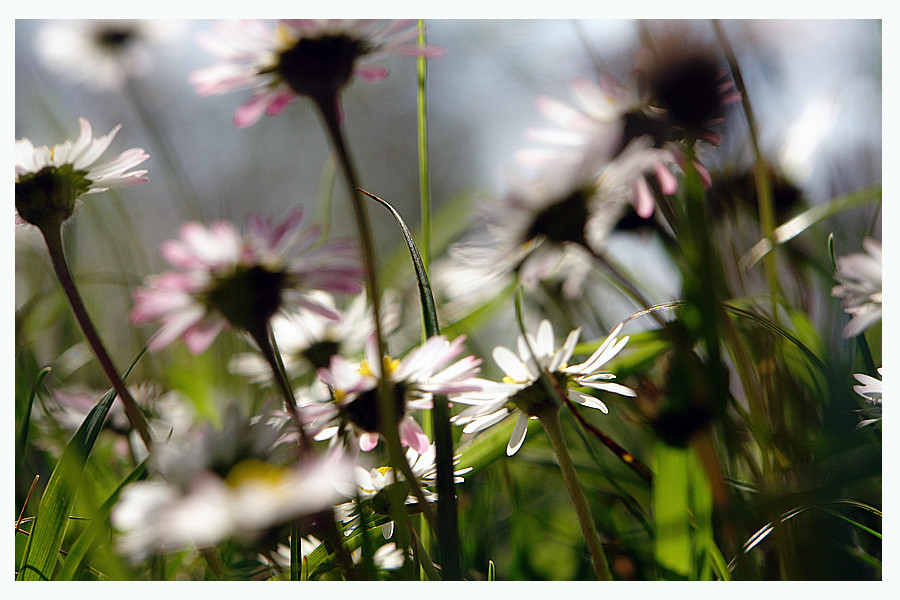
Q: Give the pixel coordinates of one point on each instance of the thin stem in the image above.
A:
(334, 543)
(549, 419)
(422, 130)
(761, 174)
(296, 555)
(53, 238)
(267, 349)
(328, 110)
(624, 455)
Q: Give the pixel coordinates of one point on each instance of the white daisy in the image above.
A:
(871, 390)
(414, 379)
(213, 485)
(298, 57)
(103, 53)
(51, 179)
(520, 390)
(860, 287)
(307, 340)
(226, 279)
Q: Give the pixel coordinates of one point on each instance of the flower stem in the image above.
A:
(549, 419)
(267, 348)
(328, 110)
(761, 174)
(53, 237)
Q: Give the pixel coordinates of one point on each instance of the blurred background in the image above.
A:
(815, 87)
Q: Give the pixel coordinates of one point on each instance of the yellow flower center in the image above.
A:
(258, 472)
(390, 365)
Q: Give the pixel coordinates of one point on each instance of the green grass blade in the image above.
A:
(448, 525)
(52, 517)
(85, 541)
(670, 501)
(803, 221)
(22, 438)
(49, 528)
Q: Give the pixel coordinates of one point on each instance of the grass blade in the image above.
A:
(671, 508)
(22, 438)
(85, 541)
(49, 529)
(448, 526)
(52, 516)
(804, 220)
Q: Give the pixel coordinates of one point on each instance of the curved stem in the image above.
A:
(53, 238)
(328, 110)
(549, 419)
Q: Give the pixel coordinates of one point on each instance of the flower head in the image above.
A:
(224, 279)
(298, 57)
(371, 483)
(217, 484)
(102, 53)
(871, 389)
(51, 179)
(413, 380)
(860, 287)
(521, 391)
(307, 339)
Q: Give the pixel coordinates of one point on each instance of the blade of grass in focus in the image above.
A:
(47, 533)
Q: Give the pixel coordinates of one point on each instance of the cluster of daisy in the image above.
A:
(615, 152)
(598, 165)
(860, 289)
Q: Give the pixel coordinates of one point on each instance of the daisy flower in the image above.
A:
(298, 57)
(542, 220)
(521, 391)
(167, 415)
(371, 482)
(307, 340)
(871, 390)
(103, 53)
(51, 179)
(618, 118)
(222, 484)
(225, 279)
(387, 557)
(860, 287)
(413, 380)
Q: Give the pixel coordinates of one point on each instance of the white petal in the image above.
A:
(517, 438)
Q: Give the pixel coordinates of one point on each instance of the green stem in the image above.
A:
(422, 130)
(549, 419)
(761, 174)
(266, 347)
(328, 110)
(53, 237)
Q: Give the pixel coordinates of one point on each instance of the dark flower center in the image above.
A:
(687, 86)
(564, 220)
(319, 354)
(248, 296)
(533, 400)
(49, 195)
(639, 123)
(364, 413)
(320, 66)
(114, 38)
